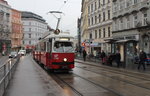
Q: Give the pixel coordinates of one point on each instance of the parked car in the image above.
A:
(13, 55)
(22, 52)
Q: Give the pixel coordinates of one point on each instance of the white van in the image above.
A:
(22, 52)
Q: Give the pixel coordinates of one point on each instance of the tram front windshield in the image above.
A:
(60, 46)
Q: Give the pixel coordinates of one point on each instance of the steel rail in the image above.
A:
(116, 78)
(132, 74)
(7, 70)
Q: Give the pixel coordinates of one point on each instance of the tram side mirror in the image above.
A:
(50, 40)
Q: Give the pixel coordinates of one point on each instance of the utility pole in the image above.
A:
(79, 35)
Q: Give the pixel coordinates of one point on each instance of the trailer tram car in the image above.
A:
(55, 52)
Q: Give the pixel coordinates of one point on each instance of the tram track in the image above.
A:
(79, 93)
(122, 72)
(58, 79)
(116, 78)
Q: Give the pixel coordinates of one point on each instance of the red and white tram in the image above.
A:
(55, 51)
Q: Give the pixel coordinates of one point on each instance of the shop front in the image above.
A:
(95, 48)
(128, 47)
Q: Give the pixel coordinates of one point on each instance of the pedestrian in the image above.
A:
(103, 57)
(110, 59)
(84, 54)
(142, 57)
(118, 59)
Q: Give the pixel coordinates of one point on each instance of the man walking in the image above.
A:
(142, 57)
(118, 59)
(103, 57)
(84, 54)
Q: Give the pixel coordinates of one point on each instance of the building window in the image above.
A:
(90, 35)
(128, 3)
(145, 19)
(89, 22)
(135, 20)
(121, 23)
(29, 35)
(128, 22)
(88, 9)
(103, 2)
(95, 34)
(122, 4)
(108, 14)
(99, 3)
(116, 27)
(108, 31)
(115, 7)
(135, 1)
(29, 42)
(91, 7)
(103, 32)
(103, 16)
(29, 29)
(99, 33)
(99, 18)
(92, 21)
(95, 6)
(95, 19)
(29, 23)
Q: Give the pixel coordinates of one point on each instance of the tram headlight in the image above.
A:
(65, 59)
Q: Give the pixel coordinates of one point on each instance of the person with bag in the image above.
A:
(142, 57)
(118, 59)
(84, 54)
(103, 57)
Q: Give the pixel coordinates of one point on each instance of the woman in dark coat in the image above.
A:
(117, 59)
(84, 54)
(103, 57)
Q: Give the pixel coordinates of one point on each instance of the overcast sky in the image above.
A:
(70, 8)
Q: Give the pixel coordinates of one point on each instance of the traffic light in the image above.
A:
(83, 44)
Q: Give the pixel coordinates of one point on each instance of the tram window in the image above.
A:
(63, 46)
(43, 46)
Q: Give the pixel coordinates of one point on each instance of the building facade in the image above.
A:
(5, 26)
(131, 19)
(34, 26)
(84, 25)
(99, 25)
(16, 32)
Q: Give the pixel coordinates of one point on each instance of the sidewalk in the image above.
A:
(31, 80)
(98, 63)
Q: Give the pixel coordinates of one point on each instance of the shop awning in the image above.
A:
(126, 40)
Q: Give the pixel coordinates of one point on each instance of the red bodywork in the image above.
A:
(55, 60)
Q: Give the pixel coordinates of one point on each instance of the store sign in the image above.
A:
(95, 44)
(132, 37)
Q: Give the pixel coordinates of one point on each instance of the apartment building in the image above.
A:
(99, 25)
(34, 26)
(131, 28)
(5, 26)
(84, 25)
(16, 32)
